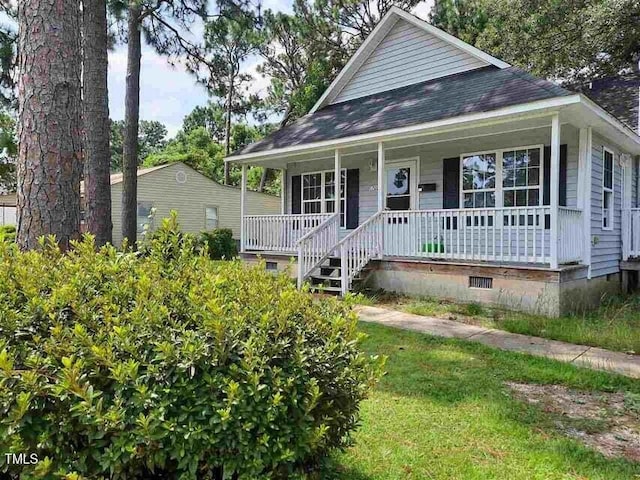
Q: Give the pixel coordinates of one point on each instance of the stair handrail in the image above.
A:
(325, 236)
(351, 265)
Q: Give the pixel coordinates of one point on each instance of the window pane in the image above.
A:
(509, 160)
(521, 198)
(211, 218)
(398, 181)
(478, 200)
(509, 198)
(534, 197)
(312, 207)
(534, 157)
(468, 200)
(399, 203)
(521, 177)
(490, 199)
(534, 176)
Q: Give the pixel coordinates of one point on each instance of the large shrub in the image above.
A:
(170, 365)
(7, 233)
(220, 243)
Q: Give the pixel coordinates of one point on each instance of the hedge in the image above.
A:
(169, 365)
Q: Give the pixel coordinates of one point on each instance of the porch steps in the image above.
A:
(327, 278)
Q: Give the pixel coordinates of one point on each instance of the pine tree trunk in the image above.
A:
(263, 179)
(131, 121)
(50, 123)
(227, 134)
(97, 187)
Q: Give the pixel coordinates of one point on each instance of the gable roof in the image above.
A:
(473, 57)
(480, 90)
(619, 95)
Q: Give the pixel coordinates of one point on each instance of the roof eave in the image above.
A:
(530, 108)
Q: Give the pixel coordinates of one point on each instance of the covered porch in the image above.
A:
(513, 190)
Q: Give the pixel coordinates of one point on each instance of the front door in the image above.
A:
(401, 185)
(401, 193)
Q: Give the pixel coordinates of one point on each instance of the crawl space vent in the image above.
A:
(481, 282)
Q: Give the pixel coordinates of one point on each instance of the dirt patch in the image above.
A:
(607, 422)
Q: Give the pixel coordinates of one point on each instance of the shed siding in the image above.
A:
(189, 199)
(407, 55)
(606, 250)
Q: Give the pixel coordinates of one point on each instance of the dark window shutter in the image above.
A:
(451, 183)
(546, 187)
(296, 194)
(353, 198)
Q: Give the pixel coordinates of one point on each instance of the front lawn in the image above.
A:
(614, 326)
(443, 411)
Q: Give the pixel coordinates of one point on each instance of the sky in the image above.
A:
(168, 94)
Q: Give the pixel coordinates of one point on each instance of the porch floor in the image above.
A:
(437, 261)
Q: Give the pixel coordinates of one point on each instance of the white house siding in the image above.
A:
(606, 250)
(189, 199)
(407, 55)
(635, 186)
(431, 157)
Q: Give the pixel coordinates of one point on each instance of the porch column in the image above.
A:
(337, 176)
(381, 205)
(555, 186)
(584, 192)
(243, 205)
(627, 187)
(283, 191)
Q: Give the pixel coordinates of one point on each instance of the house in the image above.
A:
(461, 177)
(201, 203)
(8, 209)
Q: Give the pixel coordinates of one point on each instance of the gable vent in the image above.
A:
(481, 282)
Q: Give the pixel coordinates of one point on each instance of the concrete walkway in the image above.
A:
(582, 355)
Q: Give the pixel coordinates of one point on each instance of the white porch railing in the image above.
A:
(278, 233)
(517, 234)
(316, 246)
(570, 236)
(631, 234)
(358, 248)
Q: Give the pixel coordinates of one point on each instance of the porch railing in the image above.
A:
(278, 233)
(516, 234)
(316, 246)
(358, 248)
(631, 233)
(570, 235)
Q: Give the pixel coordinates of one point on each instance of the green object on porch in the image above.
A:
(433, 247)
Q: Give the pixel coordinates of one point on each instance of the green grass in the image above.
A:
(443, 412)
(614, 326)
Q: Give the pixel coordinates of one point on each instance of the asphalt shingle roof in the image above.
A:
(620, 96)
(480, 90)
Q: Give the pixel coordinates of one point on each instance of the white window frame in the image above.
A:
(217, 216)
(499, 188)
(607, 220)
(323, 200)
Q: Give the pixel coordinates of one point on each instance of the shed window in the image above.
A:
(607, 189)
(211, 218)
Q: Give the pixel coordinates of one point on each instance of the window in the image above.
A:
(319, 193)
(607, 189)
(521, 175)
(210, 218)
(399, 188)
(479, 180)
(145, 216)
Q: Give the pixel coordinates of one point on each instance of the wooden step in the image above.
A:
(325, 277)
(324, 288)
